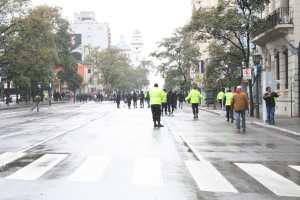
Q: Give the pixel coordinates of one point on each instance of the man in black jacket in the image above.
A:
(269, 98)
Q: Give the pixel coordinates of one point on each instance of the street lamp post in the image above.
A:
(257, 62)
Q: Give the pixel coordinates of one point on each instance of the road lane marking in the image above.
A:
(208, 178)
(295, 167)
(91, 170)
(9, 157)
(38, 168)
(147, 171)
(276, 183)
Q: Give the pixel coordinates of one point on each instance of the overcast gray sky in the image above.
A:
(156, 19)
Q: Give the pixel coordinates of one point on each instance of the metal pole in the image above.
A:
(299, 80)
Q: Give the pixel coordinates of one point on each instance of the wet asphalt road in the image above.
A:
(94, 151)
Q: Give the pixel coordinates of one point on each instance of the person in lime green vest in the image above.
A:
(164, 104)
(194, 98)
(228, 105)
(221, 97)
(156, 98)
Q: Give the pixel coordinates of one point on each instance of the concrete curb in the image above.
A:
(261, 124)
(275, 128)
(210, 111)
(28, 106)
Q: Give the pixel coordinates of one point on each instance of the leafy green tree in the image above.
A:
(32, 50)
(65, 58)
(178, 56)
(116, 72)
(232, 22)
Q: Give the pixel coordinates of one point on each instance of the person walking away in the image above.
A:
(174, 101)
(142, 99)
(180, 100)
(194, 97)
(164, 103)
(128, 100)
(156, 97)
(269, 98)
(170, 100)
(228, 101)
(220, 98)
(118, 99)
(147, 98)
(240, 105)
(135, 98)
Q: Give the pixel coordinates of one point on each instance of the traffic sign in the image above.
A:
(247, 73)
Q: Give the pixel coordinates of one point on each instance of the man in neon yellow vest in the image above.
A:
(164, 105)
(194, 98)
(156, 98)
(228, 105)
(220, 98)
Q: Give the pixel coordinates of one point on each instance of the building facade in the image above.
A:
(136, 46)
(93, 34)
(278, 43)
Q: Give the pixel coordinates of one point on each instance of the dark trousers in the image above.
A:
(118, 104)
(271, 114)
(170, 108)
(164, 108)
(142, 103)
(229, 113)
(156, 112)
(195, 107)
(240, 115)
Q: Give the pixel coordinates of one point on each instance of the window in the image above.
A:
(286, 67)
(277, 63)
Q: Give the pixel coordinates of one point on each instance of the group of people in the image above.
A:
(237, 102)
(163, 102)
(233, 101)
(133, 97)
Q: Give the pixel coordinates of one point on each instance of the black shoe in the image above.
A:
(155, 126)
(160, 125)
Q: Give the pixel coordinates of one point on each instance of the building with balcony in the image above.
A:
(278, 36)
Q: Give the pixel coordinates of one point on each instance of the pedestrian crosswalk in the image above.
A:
(150, 172)
(91, 170)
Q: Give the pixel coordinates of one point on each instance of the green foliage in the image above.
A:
(178, 56)
(115, 71)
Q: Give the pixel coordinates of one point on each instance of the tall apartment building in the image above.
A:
(279, 46)
(91, 34)
(136, 46)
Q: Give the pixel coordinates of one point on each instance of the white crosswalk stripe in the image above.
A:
(147, 171)
(208, 178)
(38, 167)
(297, 168)
(91, 170)
(271, 180)
(9, 157)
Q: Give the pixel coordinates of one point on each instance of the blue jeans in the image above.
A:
(238, 116)
(271, 115)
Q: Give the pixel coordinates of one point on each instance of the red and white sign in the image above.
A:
(247, 74)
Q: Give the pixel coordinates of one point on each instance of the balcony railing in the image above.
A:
(280, 16)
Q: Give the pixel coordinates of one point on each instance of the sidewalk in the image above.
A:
(12, 106)
(283, 124)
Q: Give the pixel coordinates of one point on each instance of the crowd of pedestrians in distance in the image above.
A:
(164, 103)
